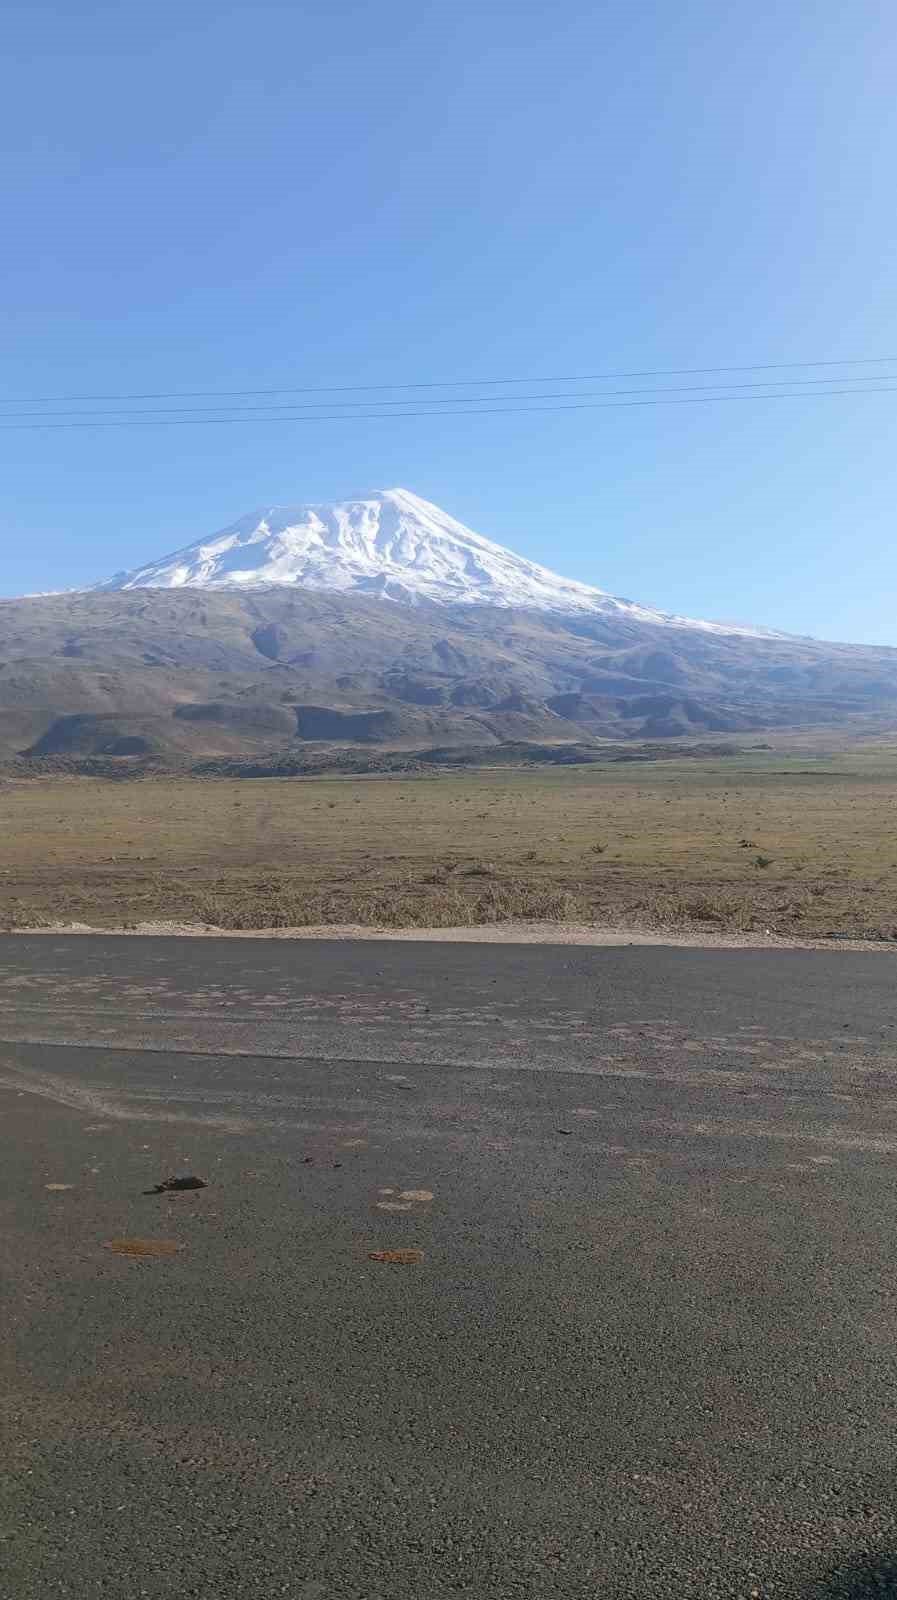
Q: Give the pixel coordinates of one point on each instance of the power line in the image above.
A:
(150, 420)
(471, 383)
(470, 400)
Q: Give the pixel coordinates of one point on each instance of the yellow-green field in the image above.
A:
(798, 843)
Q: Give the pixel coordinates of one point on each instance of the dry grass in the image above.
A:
(288, 907)
(667, 844)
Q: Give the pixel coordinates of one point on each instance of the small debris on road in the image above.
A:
(393, 1205)
(173, 1185)
(416, 1194)
(397, 1258)
(143, 1247)
(308, 1161)
(56, 1188)
(565, 1131)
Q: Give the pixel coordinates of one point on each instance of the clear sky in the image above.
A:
(200, 198)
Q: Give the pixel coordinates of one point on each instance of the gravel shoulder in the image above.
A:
(507, 933)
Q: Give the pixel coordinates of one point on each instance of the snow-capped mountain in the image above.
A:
(390, 544)
(275, 637)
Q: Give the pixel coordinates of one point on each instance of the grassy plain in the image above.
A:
(801, 843)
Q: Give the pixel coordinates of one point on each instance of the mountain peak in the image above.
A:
(387, 543)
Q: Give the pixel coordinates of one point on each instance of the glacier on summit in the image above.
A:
(389, 544)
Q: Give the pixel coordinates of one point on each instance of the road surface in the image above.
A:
(648, 1351)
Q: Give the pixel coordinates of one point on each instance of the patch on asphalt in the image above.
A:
(143, 1247)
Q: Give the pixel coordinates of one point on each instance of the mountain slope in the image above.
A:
(274, 636)
(389, 544)
(197, 672)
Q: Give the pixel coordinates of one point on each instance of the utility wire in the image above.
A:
(472, 400)
(147, 420)
(471, 383)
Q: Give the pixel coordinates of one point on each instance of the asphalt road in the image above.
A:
(649, 1349)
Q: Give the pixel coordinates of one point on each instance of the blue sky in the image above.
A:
(281, 194)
